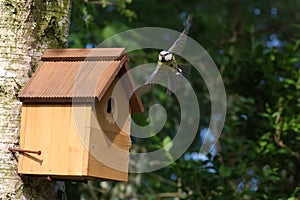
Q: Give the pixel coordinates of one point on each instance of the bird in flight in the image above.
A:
(167, 68)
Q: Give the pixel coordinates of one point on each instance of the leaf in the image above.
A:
(225, 171)
(167, 143)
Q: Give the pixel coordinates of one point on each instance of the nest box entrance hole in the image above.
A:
(110, 105)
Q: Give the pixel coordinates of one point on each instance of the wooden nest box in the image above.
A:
(75, 122)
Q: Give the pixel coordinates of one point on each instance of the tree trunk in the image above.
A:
(27, 28)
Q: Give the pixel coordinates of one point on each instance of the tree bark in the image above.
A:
(27, 28)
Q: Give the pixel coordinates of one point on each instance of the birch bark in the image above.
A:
(27, 28)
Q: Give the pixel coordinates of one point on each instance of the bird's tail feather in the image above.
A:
(186, 70)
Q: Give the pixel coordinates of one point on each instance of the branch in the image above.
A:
(162, 179)
(277, 137)
(198, 188)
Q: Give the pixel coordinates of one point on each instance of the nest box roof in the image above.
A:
(81, 74)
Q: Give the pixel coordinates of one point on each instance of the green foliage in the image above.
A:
(256, 46)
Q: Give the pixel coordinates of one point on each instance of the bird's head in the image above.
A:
(165, 56)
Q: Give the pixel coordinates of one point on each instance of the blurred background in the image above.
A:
(255, 45)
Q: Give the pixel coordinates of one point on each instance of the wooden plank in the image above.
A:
(52, 129)
(128, 83)
(78, 54)
(82, 121)
(110, 141)
(109, 155)
(97, 169)
(109, 75)
(120, 110)
(62, 81)
(22, 135)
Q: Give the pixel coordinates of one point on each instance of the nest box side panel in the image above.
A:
(53, 130)
(107, 159)
(114, 105)
(110, 141)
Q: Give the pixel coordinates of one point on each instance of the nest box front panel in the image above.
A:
(52, 130)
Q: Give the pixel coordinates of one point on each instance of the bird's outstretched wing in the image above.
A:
(178, 45)
(163, 74)
(169, 74)
(160, 72)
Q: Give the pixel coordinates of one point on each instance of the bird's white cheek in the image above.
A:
(159, 57)
(168, 57)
